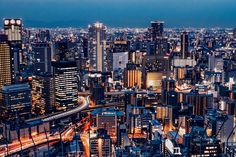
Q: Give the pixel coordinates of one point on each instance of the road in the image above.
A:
(83, 106)
(66, 135)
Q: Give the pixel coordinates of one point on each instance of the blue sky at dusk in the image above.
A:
(115, 13)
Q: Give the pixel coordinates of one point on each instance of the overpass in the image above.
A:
(130, 92)
(84, 105)
(25, 144)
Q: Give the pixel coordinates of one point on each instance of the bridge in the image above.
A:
(83, 106)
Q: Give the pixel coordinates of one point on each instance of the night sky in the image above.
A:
(121, 13)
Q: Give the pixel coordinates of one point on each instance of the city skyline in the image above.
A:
(117, 78)
(135, 13)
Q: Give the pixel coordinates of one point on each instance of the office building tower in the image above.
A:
(132, 75)
(42, 57)
(140, 122)
(16, 101)
(13, 30)
(157, 29)
(199, 101)
(215, 63)
(42, 93)
(184, 45)
(121, 46)
(5, 62)
(107, 118)
(202, 145)
(161, 46)
(98, 93)
(100, 144)
(168, 84)
(83, 45)
(65, 84)
(169, 96)
(97, 44)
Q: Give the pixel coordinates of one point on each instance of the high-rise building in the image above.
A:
(42, 93)
(133, 75)
(16, 101)
(65, 84)
(42, 57)
(121, 46)
(202, 145)
(184, 45)
(169, 96)
(65, 50)
(161, 46)
(13, 30)
(101, 144)
(107, 118)
(97, 43)
(5, 61)
(199, 101)
(157, 29)
(83, 46)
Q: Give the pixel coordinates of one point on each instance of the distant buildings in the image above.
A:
(234, 32)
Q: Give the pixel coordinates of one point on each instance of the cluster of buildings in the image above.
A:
(154, 92)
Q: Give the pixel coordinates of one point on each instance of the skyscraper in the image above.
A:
(199, 101)
(42, 93)
(159, 44)
(184, 45)
(97, 42)
(42, 57)
(65, 84)
(132, 75)
(157, 29)
(5, 65)
(16, 101)
(108, 119)
(13, 30)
